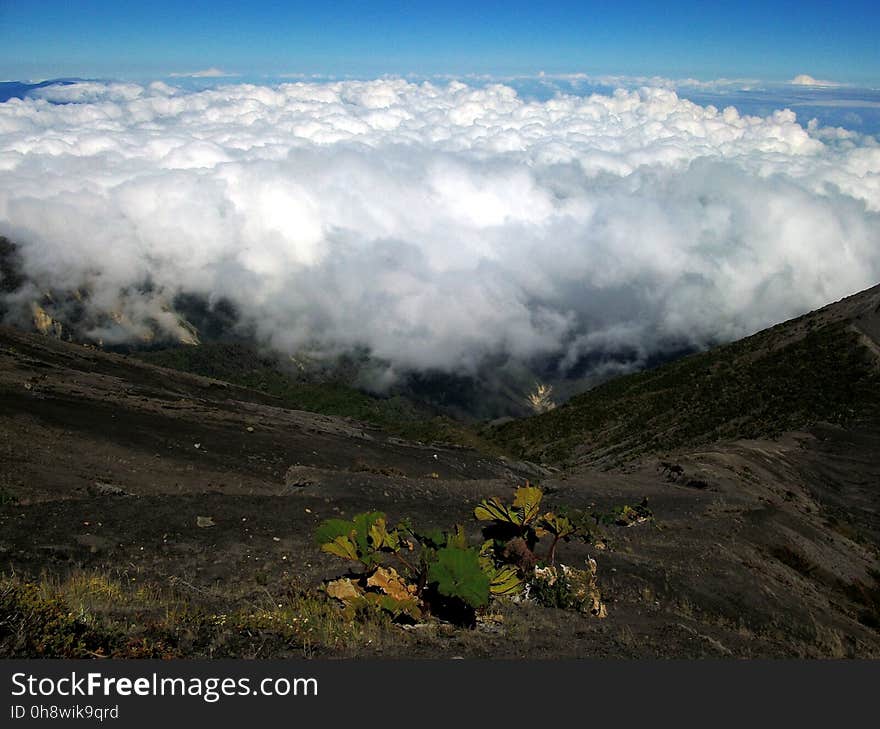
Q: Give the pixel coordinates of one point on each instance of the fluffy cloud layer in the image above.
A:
(437, 225)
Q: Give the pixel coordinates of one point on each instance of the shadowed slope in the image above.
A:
(824, 366)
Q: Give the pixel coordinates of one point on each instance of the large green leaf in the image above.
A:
(342, 547)
(359, 539)
(456, 538)
(328, 530)
(525, 509)
(431, 538)
(457, 573)
(381, 538)
(362, 525)
(493, 509)
(506, 581)
(559, 526)
(527, 500)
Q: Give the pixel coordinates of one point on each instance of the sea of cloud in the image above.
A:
(437, 224)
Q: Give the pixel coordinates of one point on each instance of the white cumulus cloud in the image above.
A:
(807, 80)
(212, 72)
(438, 224)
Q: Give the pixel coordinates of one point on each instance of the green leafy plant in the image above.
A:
(441, 574)
(522, 520)
(364, 539)
(517, 519)
(627, 515)
(509, 553)
(568, 588)
(457, 573)
(505, 580)
(439, 571)
(560, 528)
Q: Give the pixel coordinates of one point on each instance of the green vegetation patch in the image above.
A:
(412, 575)
(39, 626)
(91, 614)
(750, 389)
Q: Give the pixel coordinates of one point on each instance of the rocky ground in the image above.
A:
(181, 493)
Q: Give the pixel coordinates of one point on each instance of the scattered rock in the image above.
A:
(696, 483)
(674, 473)
(363, 466)
(300, 477)
(394, 440)
(106, 489)
(671, 471)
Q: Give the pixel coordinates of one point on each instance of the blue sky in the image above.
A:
(123, 39)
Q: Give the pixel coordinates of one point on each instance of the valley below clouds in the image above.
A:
(435, 225)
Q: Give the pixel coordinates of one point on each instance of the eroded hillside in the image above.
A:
(176, 512)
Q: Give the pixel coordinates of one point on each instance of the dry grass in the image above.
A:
(99, 614)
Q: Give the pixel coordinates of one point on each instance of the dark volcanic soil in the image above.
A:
(758, 548)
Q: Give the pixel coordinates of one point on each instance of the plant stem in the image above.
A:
(551, 555)
(405, 563)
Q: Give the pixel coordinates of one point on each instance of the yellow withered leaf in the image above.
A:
(391, 583)
(343, 589)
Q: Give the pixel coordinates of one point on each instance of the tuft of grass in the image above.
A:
(308, 622)
(94, 614)
(33, 625)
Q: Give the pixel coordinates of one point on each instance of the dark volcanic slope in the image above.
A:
(761, 462)
(822, 367)
(92, 415)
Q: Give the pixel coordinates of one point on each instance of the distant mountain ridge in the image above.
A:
(22, 89)
(820, 367)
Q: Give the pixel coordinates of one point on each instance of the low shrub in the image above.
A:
(412, 574)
